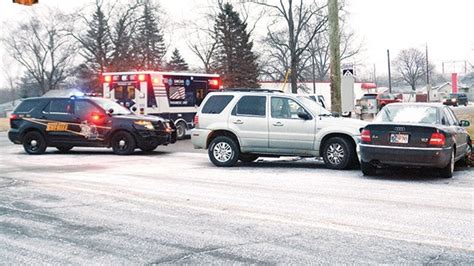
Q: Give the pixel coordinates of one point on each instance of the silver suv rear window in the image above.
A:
(215, 104)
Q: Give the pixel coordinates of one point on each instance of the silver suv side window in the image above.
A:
(251, 106)
(285, 108)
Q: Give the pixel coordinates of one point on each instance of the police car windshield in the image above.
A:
(109, 104)
(313, 106)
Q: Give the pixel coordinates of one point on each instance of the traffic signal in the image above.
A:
(26, 2)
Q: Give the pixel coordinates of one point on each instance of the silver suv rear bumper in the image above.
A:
(199, 137)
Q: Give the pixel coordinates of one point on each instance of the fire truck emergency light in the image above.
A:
(26, 2)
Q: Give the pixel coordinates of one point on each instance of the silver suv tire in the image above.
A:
(223, 151)
(338, 153)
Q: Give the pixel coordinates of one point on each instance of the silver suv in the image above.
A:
(244, 125)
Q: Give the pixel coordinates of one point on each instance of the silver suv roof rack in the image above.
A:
(250, 90)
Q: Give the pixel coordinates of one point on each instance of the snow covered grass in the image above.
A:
(4, 124)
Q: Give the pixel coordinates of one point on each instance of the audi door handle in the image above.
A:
(238, 122)
(278, 124)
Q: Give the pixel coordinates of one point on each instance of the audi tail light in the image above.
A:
(437, 139)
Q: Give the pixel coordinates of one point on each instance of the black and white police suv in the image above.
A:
(66, 122)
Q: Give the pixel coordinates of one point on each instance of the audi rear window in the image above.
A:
(26, 106)
(408, 114)
(216, 104)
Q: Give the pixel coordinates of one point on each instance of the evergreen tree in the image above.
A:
(234, 59)
(150, 43)
(96, 42)
(177, 62)
(96, 49)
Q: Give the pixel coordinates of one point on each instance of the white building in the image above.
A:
(440, 92)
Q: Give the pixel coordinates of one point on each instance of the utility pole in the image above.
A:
(389, 73)
(314, 72)
(375, 75)
(428, 86)
(335, 55)
(427, 66)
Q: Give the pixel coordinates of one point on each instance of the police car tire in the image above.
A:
(64, 148)
(130, 143)
(337, 143)
(180, 130)
(40, 143)
(224, 142)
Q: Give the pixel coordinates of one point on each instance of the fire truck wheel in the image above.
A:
(123, 143)
(180, 130)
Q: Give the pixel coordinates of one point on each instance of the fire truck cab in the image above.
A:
(174, 96)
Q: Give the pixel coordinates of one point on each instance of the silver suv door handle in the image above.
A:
(278, 124)
(238, 122)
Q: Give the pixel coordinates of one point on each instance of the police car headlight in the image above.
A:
(145, 124)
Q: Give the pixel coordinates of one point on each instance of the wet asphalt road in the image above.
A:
(173, 207)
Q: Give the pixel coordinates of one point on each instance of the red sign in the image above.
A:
(454, 82)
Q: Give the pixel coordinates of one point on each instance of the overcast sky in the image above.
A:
(446, 26)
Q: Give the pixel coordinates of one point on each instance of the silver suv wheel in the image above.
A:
(335, 153)
(222, 152)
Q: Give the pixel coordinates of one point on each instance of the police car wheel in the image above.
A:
(180, 130)
(34, 143)
(64, 148)
(123, 143)
(223, 152)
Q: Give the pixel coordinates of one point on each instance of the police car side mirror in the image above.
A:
(110, 111)
(134, 109)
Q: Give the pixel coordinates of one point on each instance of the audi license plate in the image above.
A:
(399, 138)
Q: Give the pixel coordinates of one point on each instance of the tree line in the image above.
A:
(58, 50)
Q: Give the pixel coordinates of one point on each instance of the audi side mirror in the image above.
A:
(464, 123)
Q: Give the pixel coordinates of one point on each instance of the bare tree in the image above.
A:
(411, 66)
(11, 92)
(42, 46)
(297, 16)
(204, 50)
